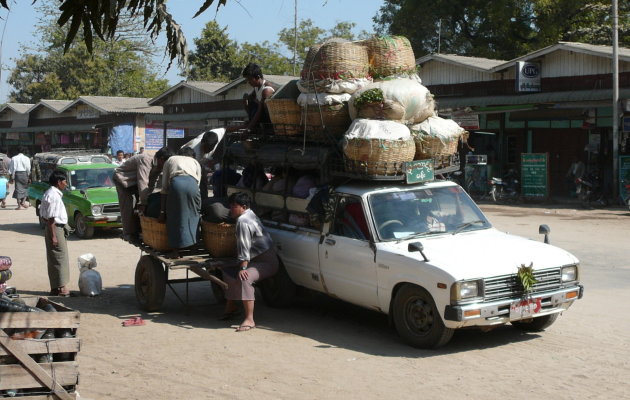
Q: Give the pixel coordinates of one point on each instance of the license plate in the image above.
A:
(525, 308)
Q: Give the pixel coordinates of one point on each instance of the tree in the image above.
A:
(216, 55)
(268, 56)
(115, 68)
(502, 29)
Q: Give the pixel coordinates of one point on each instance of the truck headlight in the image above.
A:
(570, 273)
(465, 290)
(97, 209)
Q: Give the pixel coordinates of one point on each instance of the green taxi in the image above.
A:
(90, 198)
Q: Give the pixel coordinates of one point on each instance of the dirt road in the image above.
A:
(323, 348)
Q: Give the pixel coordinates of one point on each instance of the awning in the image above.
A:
(530, 98)
(54, 128)
(197, 116)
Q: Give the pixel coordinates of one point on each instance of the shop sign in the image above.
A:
(470, 122)
(534, 175)
(174, 133)
(86, 112)
(527, 77)
(153, 139)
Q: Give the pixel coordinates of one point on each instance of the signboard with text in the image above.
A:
(534, 175)
(470, 122)
(527, 77)
(153, 138)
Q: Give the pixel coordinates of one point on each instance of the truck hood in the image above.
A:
(483, 253)
(100, 195)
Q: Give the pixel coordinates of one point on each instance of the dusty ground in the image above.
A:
(326, 349)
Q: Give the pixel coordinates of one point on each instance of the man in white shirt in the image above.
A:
(53, 211)
(20, 171)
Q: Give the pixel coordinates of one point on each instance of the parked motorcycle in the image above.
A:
(589, 191)
(506, 189)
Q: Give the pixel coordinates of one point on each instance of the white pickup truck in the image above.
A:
(425, 255)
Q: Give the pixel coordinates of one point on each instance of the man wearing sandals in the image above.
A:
(53, 212)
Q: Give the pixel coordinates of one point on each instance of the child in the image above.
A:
(4, 190)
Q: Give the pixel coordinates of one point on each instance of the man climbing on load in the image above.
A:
(255, 101)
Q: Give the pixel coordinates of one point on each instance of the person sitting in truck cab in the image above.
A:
(350, 221)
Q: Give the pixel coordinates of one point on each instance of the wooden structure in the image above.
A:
(20, 370)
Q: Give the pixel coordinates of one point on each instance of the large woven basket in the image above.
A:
(154, 233)
(378, 156)
(308, 61)
(336, 118)
(284, 112)
(338, 60)
(219, 239)
(390, 55)
(431, 146)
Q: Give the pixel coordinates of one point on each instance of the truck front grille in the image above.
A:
(111, 209)
(508, 287)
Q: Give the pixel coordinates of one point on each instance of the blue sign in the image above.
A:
(175, 133)
(153, 139)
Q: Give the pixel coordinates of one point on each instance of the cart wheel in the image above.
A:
(217, 290)
(150, 283)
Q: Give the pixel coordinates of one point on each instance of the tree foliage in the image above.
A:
(216, 56)
(117, 67)
(501, 29)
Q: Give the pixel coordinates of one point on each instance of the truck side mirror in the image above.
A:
(417, 246)
(544, 230)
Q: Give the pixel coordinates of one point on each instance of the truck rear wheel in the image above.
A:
(150, 283)
(418, 320)
(537, 324)
(278, 290)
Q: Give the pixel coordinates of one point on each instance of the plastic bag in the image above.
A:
(90, 282)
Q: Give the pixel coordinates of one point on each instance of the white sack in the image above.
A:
(86, 261)
(377, 129)
(195, 143)
(446, 130)
(90, 282)
(333, 85)
(324, 99)
(408, 94)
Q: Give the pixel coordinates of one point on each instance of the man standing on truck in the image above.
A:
(134, 182)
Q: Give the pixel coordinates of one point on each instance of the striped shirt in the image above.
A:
(251, 238)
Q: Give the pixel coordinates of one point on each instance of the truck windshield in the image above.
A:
(421, 212)
(92, 178)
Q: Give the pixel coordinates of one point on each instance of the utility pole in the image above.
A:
(295, 26)
(615, 104)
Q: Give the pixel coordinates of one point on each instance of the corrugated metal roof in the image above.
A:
(117, 105)
(531, 98)
(206, 87)
(481, 64)
(19, 108)
(592, 49)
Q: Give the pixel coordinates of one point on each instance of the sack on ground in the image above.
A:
(90, 282)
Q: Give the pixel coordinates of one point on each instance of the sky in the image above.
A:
(252, 21)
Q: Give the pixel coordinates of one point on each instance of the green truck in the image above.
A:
(90, 198)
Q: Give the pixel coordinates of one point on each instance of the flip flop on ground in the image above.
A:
(245, 328)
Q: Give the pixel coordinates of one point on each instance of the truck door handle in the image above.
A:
(330, 242)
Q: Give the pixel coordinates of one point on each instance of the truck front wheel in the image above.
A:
(537, 324)
(417, 319)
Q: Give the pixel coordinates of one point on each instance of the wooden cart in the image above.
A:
(152, 274)
(43, 368)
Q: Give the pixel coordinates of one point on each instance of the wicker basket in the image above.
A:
(337, 60)
(285, 112)
(154, 233)
(378, 156)
(390, 55)
(308, 61)
(219, 239)
(430, 146)
(336, 118)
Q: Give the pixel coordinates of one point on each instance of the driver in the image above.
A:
(426, 212)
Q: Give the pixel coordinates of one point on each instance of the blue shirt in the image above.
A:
(3, 187)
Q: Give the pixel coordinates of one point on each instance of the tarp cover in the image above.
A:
(121, 138)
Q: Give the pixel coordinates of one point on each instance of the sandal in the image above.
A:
(245, 328)
(137, 321)
(228, 315)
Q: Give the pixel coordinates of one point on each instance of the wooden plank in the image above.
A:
(66, 319)
(43, 346)
(43, 374)
(46, 397)
(208, 276)
(15, 376)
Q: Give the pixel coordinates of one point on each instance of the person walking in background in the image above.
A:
(181, 200)
(53, 212)
(257, 260)
(20, 171)
(5, 160)
(134, 181)
(120, 158)
(4, 190)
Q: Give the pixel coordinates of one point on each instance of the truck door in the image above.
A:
(346, 258)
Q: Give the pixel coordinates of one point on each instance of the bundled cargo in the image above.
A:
(436, 137)
(332, 118)
(154, 233)
(404, 100)
(335, 86)
(219, 238)
(5, 272)
(336, 60)
(390, 55)
(377, 147)
(285, 115)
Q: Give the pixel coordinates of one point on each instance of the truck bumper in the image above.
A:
(504, 311)
(112, 221)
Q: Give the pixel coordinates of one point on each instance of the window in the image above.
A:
(350, 219)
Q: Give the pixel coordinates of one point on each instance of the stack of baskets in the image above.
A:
(219, 238)
(284, 115)
(377, 156)
(154, 233)
(390, 55)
